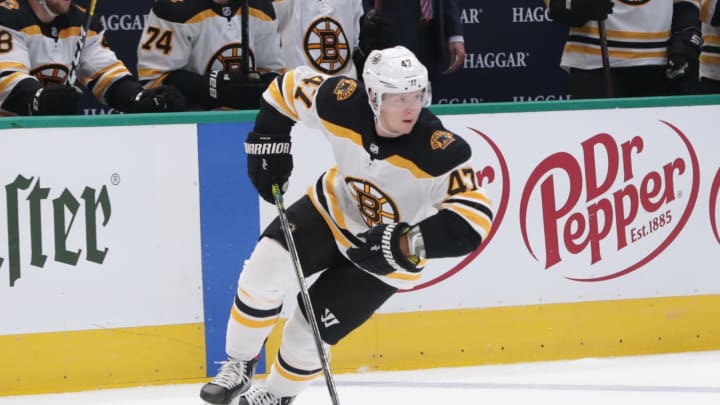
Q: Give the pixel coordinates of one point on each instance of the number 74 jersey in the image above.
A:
(378, 180)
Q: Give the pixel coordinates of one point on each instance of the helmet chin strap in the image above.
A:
(43, 4)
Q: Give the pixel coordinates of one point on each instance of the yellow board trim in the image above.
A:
(97, 359)
(465, 337)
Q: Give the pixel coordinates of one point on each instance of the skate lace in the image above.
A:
(259, 396)
(230, 374)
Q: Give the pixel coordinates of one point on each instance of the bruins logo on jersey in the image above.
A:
(344, 89)
(634, 2)
(229, 58)
(373, 204)
(326, 45)
(10, 4)
(441, 139)
(53, 73)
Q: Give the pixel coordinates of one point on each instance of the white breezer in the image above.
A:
(391, 71)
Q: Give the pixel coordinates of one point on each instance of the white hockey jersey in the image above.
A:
(200, 36)
(638, 32)
(30, 48)
(377, 180)
(710, 56)
(321, 34)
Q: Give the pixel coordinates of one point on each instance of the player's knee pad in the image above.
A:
(267, 275)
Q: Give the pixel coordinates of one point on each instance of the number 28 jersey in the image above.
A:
(422, 178)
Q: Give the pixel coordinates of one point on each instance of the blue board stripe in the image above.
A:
(229, 225)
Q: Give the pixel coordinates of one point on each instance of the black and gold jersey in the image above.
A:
(201, 36)
(412, 179)
(30, 48)
(320, 34)
(638, 32)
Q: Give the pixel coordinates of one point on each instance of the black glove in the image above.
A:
(160, 99)
(685, 46)
(381, 252)
(56, 100)
(268, 162)
(578, 12)
(375, 32)
(234, 91)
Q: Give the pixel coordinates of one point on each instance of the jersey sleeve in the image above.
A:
(294, 93)
(266, 45)
(164, 47)
(464, 217)
(99, 66)
(14, 62)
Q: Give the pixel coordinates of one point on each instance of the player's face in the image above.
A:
(58, 6)
(399, 112)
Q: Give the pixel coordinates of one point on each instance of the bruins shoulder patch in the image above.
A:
(441, 139)
(345, 89)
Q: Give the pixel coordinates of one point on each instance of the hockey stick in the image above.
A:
(245, 30)
(304, 293)
(609, 93)
(72, 74)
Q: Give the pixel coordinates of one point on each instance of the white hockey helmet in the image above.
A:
(391, 71)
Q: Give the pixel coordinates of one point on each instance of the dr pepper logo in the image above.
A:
(611, 205)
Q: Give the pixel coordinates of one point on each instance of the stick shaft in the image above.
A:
(72, 74)
(605, 59)
(245, 29)
(304, 294)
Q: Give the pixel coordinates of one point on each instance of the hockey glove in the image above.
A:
(234, 91)
(375, 32)
(268, 162)
(56, 100)
(685, 46)
(380, 254)
(160, 99)
(578, 12)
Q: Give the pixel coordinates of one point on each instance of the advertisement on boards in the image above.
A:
(100, 228)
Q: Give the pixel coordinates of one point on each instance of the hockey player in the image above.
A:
(321, 34)
(653, 46)
(37, 44)
(196, 46)
(402, 191)
(710, 56)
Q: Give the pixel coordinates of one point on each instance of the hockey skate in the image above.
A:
(258, 396)
(233, 379)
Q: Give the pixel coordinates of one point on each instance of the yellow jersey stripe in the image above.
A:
(343, 132)
(13, 66)
(404, 276)
(471, 215)
(331, 199)
(279, 101)
(592, 30)
(399, 161)
(292, 376)
(287, 92)
(634, 54)
(339, 237)
(252, 323)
